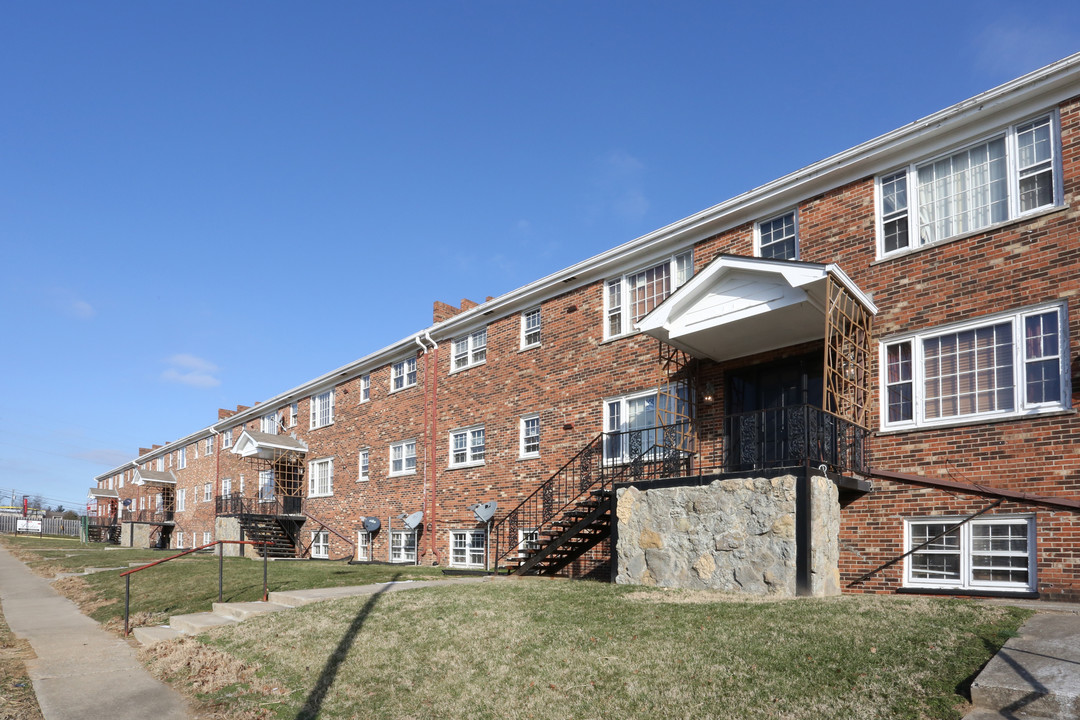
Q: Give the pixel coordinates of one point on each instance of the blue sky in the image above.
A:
(206, 203)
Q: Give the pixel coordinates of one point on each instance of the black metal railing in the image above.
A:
(629, 455)
(149, 516)
(792, 436)
(236, 504)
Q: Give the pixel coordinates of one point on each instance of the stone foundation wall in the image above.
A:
(228, 528)
(136, 535)
(734, 535)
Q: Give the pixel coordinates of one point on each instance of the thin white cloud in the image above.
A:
(187, 369)
(1013, 45)
(66, 302)
(106, 457)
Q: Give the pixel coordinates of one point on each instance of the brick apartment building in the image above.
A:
(882, 340)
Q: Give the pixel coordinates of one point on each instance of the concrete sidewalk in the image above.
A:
(81, 671)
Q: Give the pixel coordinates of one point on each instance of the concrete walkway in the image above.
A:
(81, 671)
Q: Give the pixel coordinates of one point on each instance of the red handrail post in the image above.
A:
(127, 602)
(265, 563)
(220, 569)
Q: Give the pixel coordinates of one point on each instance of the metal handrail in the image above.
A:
(221, 571)
(791, 436)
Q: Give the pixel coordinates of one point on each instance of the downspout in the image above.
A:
(421, 552)
(434, 429)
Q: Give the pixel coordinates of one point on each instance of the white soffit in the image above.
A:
(743, 306)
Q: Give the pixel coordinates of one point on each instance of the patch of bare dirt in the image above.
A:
(17, 699)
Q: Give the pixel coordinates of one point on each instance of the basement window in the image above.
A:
(467, 548)
(320, 544)
(992, 553)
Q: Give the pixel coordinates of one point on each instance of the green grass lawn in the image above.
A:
(536, 649)
(541, 649)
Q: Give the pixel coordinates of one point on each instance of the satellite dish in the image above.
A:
(371, 524)
(127, 501)
(414, 520)
(484, 511)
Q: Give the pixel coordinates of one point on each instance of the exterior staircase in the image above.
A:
(279, 533)
(577, 531)
(104, 533)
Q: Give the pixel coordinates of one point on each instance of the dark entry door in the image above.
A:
(763, 405)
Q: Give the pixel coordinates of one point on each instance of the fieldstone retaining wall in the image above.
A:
(734, 535)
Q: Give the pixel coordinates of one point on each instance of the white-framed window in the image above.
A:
(207, 537)
(467, 548)
(403, 546)
(989, 552)
(321, 477)
(181, 499)
(363, 462)
(470, 350)
(363, 545)
(403, 374)
(999, 366)
(528, 539)
(322, 409)
(403, 457)
(142, 502)
(996, 179)
(161, 464)
(181, 458)
(631, 421)
(195, 450)
(530, 436)
(320, 544)
(531, 321)
(109, 483)
(226, 486)
(179, 540)
(632, 296)
(294, 414)
(123, 476)
(269, 423)
(266, 485)
(365, 388)
(209, 445)
(208, 492)
(467, 446)
(778, 237)
(226, 438)
(168, 461)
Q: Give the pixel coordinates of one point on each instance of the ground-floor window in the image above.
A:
(403, 546)
(179, 540)
(467, 548)
(363, 545)
(320, 544)
(528, 539)
(986, 553)
(207, 538)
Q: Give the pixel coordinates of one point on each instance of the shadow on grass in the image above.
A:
(313, 704)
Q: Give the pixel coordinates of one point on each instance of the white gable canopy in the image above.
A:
(267, 446)
(739, 306)
(154, 478)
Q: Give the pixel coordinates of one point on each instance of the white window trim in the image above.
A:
(209, 446)
(776, 216)
(294, 413)
(363, 545)
(403, 364)
(323, 553)
(525, 345)
(1012, 179)
(179, 540)
(521, 436)
(328, 462)
(390, 459)
(181, 458)
(405, 558)
(470, 461)
(471, 351)
(966, 582)
(625, 320)
(270, 420)
(1021, 407)
(181, 500)
(226, 439)
(316, 406)
(468, 549)
(365, 387)
(207, 537)
(208, 492)
(361, 474)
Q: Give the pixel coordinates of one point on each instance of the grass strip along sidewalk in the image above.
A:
(560, 649)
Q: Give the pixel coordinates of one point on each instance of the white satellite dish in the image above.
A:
(413, 521)
(484, 511)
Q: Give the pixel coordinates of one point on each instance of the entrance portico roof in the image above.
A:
(267, 446)
(739, 306)
(153, 477)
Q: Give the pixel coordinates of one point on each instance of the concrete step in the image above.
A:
(154, 635)
(240, 611)
(1036, 674)
(196, 623)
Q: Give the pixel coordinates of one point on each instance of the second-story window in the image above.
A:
(632, 296)
(322, 409)
(530, 328)
(470, 350)
(403, 374)
(270, 423)
(778, 238)
(365, 388)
